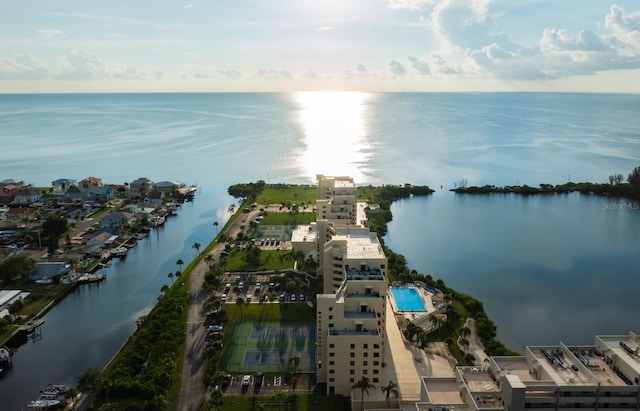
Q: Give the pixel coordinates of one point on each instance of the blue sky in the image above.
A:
(287, 45)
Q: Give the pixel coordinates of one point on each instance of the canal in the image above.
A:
(89, 326)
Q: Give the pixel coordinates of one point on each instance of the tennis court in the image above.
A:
(264, 347)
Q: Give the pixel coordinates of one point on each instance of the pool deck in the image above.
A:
(414, 315)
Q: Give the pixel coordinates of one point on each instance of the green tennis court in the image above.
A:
(254, 347)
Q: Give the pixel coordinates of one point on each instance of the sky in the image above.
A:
(290, 45)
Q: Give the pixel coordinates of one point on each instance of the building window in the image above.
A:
(376, 363)
(375, 380)
(330, 325)
(332, 362)
(332, 371)
(332, 354)
(353, 346)
(365, 346)
(376, 371)
(365, 363)
(330, 308)
(352, 363)
(353, 355)
(352, 380)
(365, 355)
(331, 317)
(352, 372)
(332, 380)
(376, 346)
(365, 371)
(332, 345)
(376, 354)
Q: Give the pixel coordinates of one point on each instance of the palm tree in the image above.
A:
(231, 208)
(209, 260)
(295, 359)
(391, 389)
(239, 302)
(279, 398)
(196, 246)
(180, 262)
(164, 288)
(364, 385)
(215, 224)
(170, 275)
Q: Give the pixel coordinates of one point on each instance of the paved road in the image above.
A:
(193, 392)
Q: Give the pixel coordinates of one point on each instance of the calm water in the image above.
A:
(561, 265)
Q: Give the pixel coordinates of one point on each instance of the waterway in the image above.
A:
(88, 327)
(548, 268)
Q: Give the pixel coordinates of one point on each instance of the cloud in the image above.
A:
(23, 67)
(272, 74)
(421, 66)
(325, 28)
(48, 33)
(397, 68)
(468, 30)
(229, 74)
(81, 65)
(408, 4)
(361, 68)
(625, 27)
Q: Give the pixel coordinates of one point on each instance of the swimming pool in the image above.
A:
(407, 299)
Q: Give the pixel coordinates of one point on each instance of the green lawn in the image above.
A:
(288, 218)
(278, 194)
(269, 260)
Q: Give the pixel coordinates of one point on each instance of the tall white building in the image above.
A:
(351, 311)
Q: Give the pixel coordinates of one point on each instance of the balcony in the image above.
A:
(370, 274)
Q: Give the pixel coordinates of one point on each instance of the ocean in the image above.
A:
(548, 268)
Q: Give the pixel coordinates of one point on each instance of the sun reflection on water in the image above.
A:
(335, 128)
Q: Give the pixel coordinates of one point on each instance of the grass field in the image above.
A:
(288, 218)
(269, 260)
(298, 194)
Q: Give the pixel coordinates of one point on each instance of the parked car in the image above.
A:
(258, 380)
(281, 298)
(246, 380)
(226, 380)
(301, 297)
(293, 297)
(223, 297)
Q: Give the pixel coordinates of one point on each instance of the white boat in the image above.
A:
(44, 280)
(55, 390)
(44, 402)
(121, 251)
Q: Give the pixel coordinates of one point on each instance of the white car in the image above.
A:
(223, 297)
(246, 380)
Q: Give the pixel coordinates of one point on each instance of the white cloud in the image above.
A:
(421, 66)
(409, 4)
(273, 74)
(22, 67)
(48, 33)
(397, 68)
(625, 27)
(325, 28)
(230, 74)
(81, 65)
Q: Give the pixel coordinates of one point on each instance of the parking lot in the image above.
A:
(255, 288)
(259, 384)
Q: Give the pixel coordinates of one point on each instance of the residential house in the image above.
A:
(141, 185)
(8, 297)
(11, 182)
(102, 240)
(116, 219)
(100, 193)
(61, 185)
(28, 195)
(167, 187)
(74, 193)
(89, 183)
(48, 270)
(7, 193)
(155, 197)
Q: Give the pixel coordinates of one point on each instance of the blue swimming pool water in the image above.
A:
(407, 299)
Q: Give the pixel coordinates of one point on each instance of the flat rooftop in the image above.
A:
(304, 233)
(442, 391)
(592, 358)
(515, 366)
(563, 369)
(362, 245)
(625, 347)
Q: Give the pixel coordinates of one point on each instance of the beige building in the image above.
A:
(603, 376)
(351, 312)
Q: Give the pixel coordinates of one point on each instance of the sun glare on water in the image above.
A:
(334, 127)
